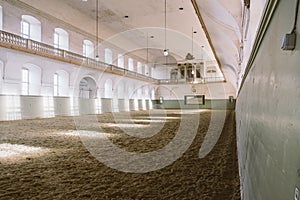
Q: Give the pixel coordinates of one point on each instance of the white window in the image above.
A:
(108, 56)
(61, 39)
(31, 28)
(56, 84)
(147, 71)
(25, 29)
(61, 83)
(56, 40)
(25, 81)
(121, 61)
(88, 49)
(139, 67)
(130, 64)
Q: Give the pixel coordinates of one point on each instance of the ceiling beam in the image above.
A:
(195, 5)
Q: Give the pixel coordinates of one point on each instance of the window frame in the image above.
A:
(25, 81)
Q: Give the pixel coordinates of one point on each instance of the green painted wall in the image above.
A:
(268, 115)
(209, 104)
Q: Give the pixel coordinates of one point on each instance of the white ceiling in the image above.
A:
(222, 18)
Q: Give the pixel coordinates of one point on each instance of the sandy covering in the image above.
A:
(46, 159)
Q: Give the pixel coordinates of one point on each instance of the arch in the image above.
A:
(87, 88)
(61, 39)
(108, 89)
(31, 28)
(108, 56)
(88, 49)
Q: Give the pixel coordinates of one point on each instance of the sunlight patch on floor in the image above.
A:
(8, 150)
(86, 133)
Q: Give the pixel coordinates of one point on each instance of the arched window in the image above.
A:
(61, 39)
(120, 60)
(139, 67)
(88, 49)
(30, 28)
(1, 18)
(108, 56)
(31, 79)
(25, 81)
(130, 64)
(55, 84)
(62, 82)
(87, 88)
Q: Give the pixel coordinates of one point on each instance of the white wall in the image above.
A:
(161, 72)
(268, 115)
(14, 106)
(211, 91)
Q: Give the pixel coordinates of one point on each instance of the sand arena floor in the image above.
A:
(49, 159)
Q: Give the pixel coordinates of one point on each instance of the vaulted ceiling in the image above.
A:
(216, 23)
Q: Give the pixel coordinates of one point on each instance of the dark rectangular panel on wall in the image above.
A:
(194, 99)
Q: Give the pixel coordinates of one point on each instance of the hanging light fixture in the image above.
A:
(202, 47)
(97, 30)
(166, 52)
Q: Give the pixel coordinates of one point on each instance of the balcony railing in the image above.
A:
(189, 80)
(49, 51)
(38, 48)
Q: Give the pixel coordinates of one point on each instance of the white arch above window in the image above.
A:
(88, 49)
(31, 28)
(61, 39)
